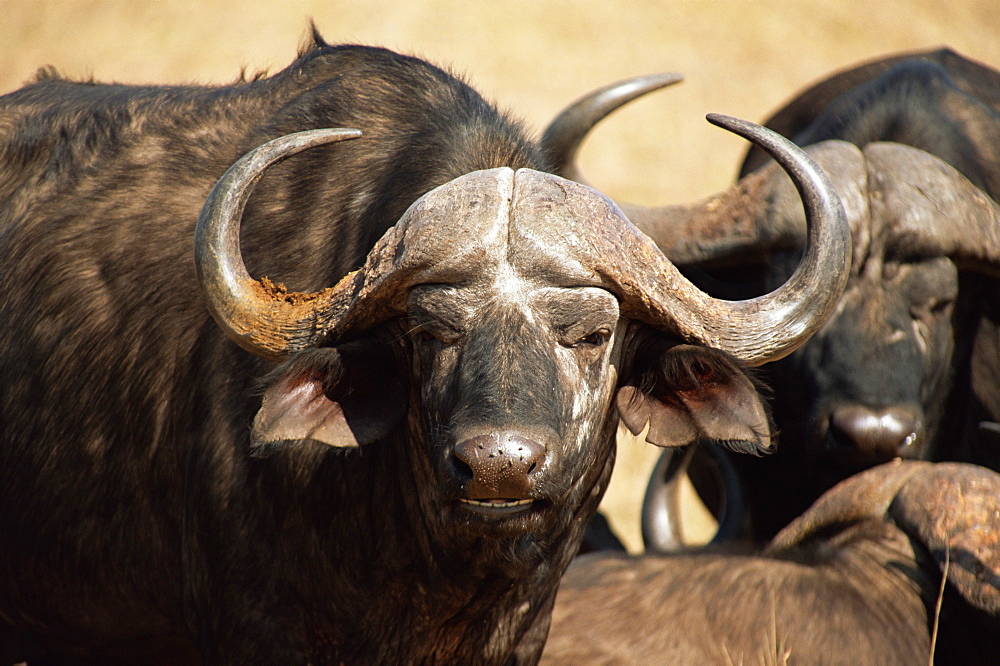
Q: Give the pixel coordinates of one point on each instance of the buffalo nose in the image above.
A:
(500, 466)
(877, 435)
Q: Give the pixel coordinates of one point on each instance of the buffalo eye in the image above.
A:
(435, 332)
(934, 307)
(439, 314)
(596, 339)
(940, 306)
(584, 337)
(925, 318)
(930, 286)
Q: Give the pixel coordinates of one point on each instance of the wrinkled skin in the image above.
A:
(486, 356)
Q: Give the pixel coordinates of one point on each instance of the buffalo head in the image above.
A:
(497, 331)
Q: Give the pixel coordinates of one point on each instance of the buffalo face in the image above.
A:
(495, 373)
(888, 374)
(868, 387)
(516, 381)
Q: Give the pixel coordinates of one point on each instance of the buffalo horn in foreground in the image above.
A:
(272, 323)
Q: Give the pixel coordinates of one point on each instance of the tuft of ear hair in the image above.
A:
(689, 393)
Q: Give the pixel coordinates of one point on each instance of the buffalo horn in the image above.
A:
(762, 329)
(733, 222)
(757, 330)
(662, 519)
(946, 215)
(272, 323)
(927, 208)
(562, 138)
(259, 316)
(687, 233)
(662, 511)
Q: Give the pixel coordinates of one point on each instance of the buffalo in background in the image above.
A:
(896, 564)
(411, 479)
(909, 365)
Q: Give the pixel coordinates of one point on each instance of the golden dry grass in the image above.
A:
(739, 57)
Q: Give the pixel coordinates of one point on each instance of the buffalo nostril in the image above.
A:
(876, 434)
(462, 469)
(500, 465)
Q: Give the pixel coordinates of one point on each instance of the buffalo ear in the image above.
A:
(343, 396)
(689, 393)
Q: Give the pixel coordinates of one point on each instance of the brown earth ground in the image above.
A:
(742, 58)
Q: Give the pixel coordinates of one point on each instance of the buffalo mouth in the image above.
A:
(496, 506)
(500, 516)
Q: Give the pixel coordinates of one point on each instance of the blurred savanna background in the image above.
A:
(739, 57)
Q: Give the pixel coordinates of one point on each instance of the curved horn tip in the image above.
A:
(796, 309)
(320, 135)
(734, 124)
(651, 82)
(564, 135)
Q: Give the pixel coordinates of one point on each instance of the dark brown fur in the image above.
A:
(116, 383)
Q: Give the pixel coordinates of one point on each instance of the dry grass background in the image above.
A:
(742, 58)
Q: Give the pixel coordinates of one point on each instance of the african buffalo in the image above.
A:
(943, 293)
(410, 480)
(908, 364)
(897, 565)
